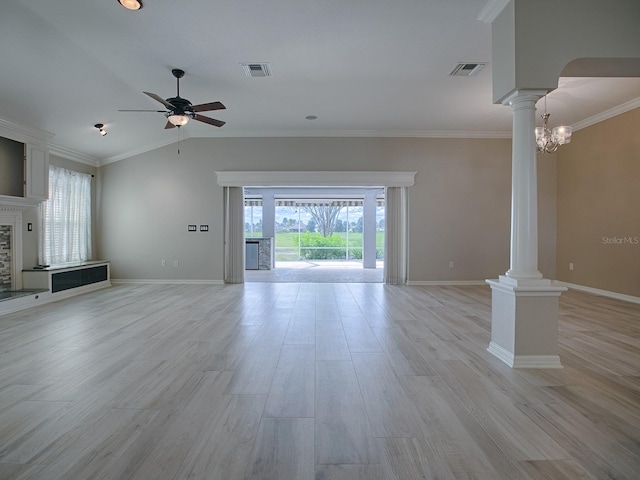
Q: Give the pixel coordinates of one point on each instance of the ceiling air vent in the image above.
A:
(467, 69)
(256, 69)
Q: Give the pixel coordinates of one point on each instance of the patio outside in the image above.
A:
(318, 242)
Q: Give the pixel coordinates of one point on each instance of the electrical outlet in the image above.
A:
(163, 263)
(451, 264)
(571, 266)
(175, 263)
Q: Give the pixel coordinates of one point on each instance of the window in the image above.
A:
(66, 218)
(252, 218)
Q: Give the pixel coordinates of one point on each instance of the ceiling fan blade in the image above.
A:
(156, 111)
(210, 121)
(203, 107)
(160, 99)
(169, 125)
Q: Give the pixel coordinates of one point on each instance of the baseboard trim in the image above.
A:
(41, 298)
(524, 361)
(597, 291)
(445, 282)
(501, 353)
(166, 281)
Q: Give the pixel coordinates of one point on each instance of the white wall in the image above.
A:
(459, 207)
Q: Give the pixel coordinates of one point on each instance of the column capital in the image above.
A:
(524, 95)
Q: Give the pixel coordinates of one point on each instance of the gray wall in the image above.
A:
(459, 207)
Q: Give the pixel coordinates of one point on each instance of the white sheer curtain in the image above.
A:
(233, 235)
(396, 225)
(66, 218)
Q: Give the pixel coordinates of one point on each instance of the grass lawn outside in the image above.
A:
(286, 247)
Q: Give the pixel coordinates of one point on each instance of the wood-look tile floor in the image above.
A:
(311, 381)
(318, 271)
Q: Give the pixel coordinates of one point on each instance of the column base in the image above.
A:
(524, 322)
(524, 361)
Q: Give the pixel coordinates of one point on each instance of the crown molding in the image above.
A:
(359, 133)
(600, 117)
(23, 134)
(139, 151)
(69, 154)
(315, 134)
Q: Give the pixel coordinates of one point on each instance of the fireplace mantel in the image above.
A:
(18, 202)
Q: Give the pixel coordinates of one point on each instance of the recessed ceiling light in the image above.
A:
(311, 117)
(131, 4)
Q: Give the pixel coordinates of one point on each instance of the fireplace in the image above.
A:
(10, 249)
(6, 260)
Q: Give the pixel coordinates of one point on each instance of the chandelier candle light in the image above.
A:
(548, 140)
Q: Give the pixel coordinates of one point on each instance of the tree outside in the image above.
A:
(325, 217)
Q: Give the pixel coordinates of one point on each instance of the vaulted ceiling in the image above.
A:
(362, 67)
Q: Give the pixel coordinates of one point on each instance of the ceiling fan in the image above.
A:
(179, 110)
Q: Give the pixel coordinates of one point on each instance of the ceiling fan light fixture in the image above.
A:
(178, 111)
(178, 120)
(131, 4)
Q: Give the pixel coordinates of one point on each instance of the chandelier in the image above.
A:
(548, 140)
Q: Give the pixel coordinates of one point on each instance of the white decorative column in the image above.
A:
(524, 306)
